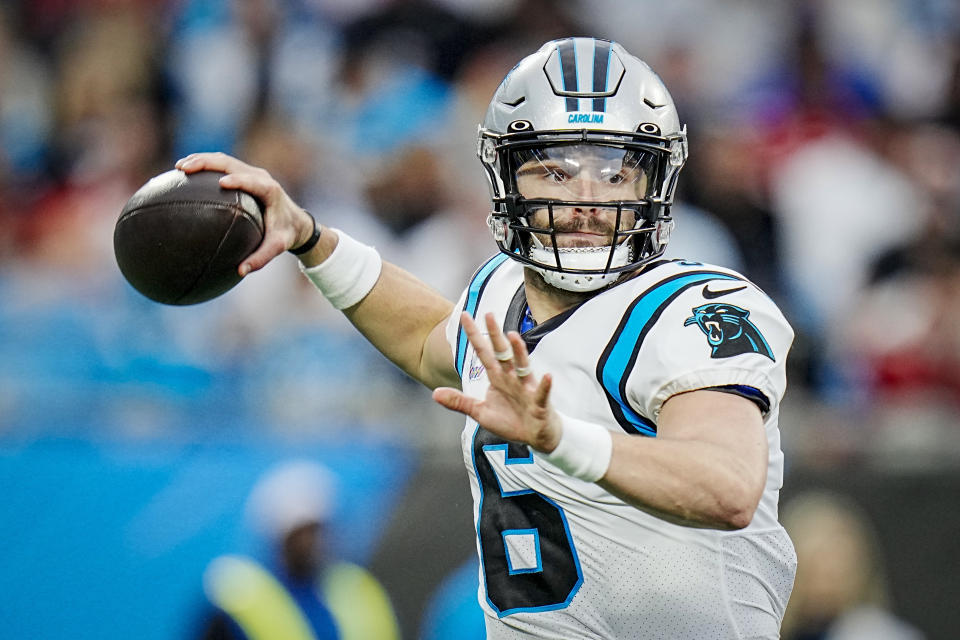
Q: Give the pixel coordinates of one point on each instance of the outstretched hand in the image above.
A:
(517, 405)
(286, 225)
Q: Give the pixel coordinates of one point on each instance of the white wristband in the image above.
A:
(348, 274)
(584, 451)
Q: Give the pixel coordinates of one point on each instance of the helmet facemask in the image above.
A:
(580, 207)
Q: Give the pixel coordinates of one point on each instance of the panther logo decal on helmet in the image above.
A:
(728, 330)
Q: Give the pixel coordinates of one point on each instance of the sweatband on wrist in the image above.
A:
(584, 450)
(348, 274)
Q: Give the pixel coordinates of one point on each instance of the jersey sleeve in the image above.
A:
(453, 323)
(469, 301)
(727, 335)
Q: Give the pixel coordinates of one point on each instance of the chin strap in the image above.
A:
(581, 258)
(577, 282)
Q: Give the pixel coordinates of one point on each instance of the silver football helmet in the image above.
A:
(582, 146)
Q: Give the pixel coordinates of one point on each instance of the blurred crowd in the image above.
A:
(825, 164)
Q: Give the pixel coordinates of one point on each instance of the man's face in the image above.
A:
(582, 173)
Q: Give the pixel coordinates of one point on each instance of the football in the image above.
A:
(181, 237)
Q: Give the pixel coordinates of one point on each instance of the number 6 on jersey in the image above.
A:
(529, 561)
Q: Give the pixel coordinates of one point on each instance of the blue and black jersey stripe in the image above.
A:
(620, 355)
(477, 283)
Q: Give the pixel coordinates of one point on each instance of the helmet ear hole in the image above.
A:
(518, 126)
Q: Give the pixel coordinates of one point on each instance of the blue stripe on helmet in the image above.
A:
(569, 75)
(601, 72)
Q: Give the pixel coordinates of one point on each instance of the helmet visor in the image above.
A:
(584, 173)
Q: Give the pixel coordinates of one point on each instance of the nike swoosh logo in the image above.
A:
(710, 295)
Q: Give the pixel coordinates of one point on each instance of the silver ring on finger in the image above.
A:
(522, 372)
(503, 356)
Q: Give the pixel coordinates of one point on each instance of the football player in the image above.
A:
(621, 409)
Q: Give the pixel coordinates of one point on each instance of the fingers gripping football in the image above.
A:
(286, 224)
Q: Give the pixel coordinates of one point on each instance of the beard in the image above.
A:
(600, 230)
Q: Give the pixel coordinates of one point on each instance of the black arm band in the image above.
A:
(311, 242)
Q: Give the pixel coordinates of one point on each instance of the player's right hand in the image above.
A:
(286, 225)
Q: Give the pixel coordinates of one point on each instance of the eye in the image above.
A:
(558, 176)
(617, 178)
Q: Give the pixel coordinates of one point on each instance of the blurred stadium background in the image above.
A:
(825, 164)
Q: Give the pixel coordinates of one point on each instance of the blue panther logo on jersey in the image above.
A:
(728, 330)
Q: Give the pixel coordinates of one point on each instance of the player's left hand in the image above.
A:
(517, 405)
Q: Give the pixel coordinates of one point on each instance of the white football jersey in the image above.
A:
(563, 558)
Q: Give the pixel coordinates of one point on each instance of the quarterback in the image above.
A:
(621, 432)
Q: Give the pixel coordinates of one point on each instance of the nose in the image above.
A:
(577, 191)
(586, 212)
(587, 190)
